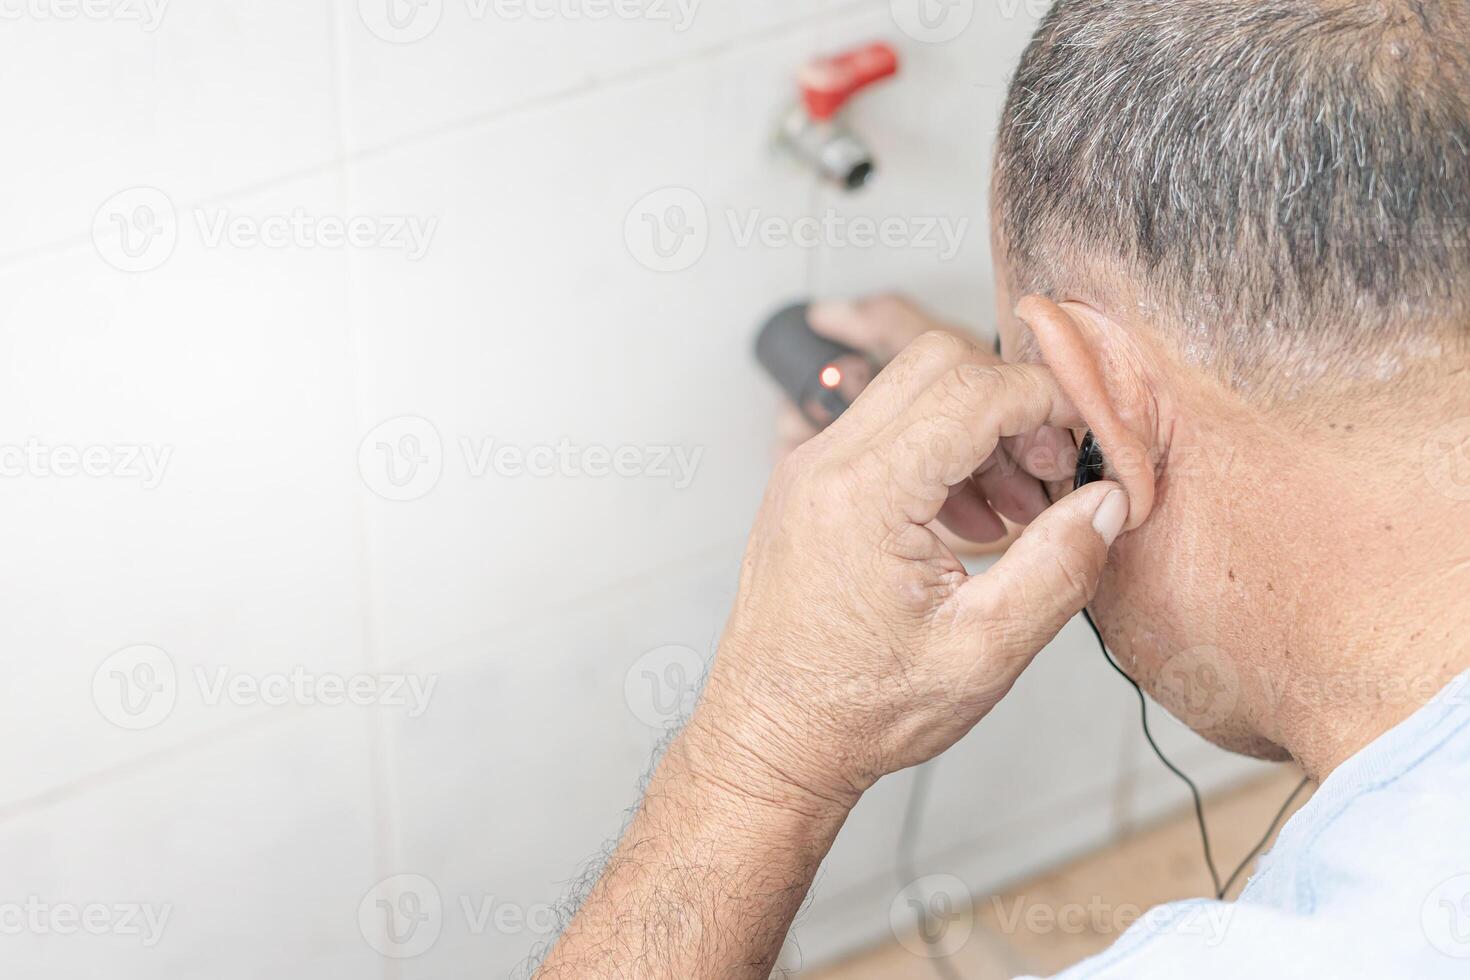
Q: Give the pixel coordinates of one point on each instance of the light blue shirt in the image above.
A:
(1370, 879)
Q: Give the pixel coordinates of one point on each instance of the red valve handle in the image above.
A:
(827, 83)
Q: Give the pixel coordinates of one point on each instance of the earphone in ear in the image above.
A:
(1089, 462)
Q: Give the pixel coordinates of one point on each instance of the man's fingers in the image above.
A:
(880, 326)
(1046, 576)
(1014, 494)
(952, 426)
(968, 515)
(919, 365)
(1047, 454)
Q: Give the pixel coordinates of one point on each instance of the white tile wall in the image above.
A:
(197, 98)
(326, 408)
(531, 322)
(414, 67)
(252, 855)
(522, 773)
(228, 365)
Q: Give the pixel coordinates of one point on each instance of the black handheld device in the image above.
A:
(821, 376)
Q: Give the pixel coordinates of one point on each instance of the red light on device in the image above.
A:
(831, 377)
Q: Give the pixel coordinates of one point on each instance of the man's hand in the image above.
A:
(859, 645)
(881, 326)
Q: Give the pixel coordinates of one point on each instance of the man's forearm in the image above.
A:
(707, 877)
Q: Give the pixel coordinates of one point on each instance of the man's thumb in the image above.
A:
(1047, 575)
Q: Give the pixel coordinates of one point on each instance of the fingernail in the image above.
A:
(1110, 515)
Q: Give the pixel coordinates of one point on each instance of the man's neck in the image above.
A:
(1368, 619)
(1372, 668)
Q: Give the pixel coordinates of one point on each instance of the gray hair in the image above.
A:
(1281, 183)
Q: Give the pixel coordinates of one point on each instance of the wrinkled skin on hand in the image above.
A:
(859, 645)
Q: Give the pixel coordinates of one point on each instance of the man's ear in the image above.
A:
(1100, 370)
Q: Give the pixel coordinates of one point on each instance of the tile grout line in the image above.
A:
(381, 784)
(621, 78)
(86, 782)
(610, 82)
(441, 656)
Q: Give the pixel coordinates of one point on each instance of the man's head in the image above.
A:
(1248, 222)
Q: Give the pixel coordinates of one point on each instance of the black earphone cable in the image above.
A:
(1091, 467)
(1275, 822)
(1199, 809)
(1199, 806)
(908, 837)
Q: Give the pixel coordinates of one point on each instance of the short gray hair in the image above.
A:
(1285, 181)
